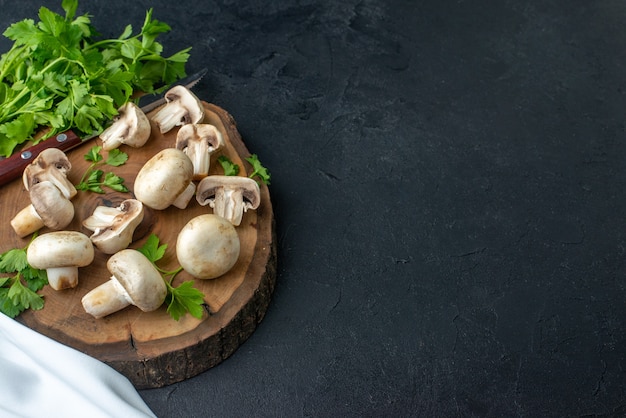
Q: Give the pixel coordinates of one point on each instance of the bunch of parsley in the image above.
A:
(57, 75)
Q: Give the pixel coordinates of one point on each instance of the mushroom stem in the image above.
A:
(66, 187)
(102, 217)
(112, 137)
(229, 204)
(199, 155)
(60, 278)
(27, 221)
(169, 117)
(183, 199)
(106, 299)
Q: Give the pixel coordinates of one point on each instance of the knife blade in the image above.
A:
(12, 167)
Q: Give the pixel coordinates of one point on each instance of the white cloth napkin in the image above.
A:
(40, 377)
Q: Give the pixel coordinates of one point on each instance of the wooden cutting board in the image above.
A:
(152, 349)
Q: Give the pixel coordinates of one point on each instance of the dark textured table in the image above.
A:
(449, 185)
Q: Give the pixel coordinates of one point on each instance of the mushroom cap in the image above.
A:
(250, 188)
(200, 132)
(138, 276)
(114, 227)
(207, 246)
(163, 178)
(182, 107)
(199, 141)
(131, 127)
(60, 249)
(54, 209)
(229, 196)
(50, 165)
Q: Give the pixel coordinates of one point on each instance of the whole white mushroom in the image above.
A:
(207, 246)
(61, 253)
(49, 207)
(134, 281)
(165, 180)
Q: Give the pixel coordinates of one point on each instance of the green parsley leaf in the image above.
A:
(116, 158)
(70, 7)
(115, 182)
(185, 298)
(35, 279)
(7, 305)
(24, 297)
(18, 291)
(92, 183)
(152, 250)
(94, 154)
(13, 260)
(230, 168)
(258, 169)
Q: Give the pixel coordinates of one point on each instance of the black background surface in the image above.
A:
(448, 180)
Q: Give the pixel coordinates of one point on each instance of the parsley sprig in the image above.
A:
(18, 290)
(182, 299)
(59, 76)
(92, 179)
(258, 170)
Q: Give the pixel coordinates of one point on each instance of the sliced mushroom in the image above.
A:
(113, 228)
(182, 107)
(199, 142)
(49, 207)
(60, 253)
(229, 196)
(50, 165)
(207, 246)
(134, 281)
(131, 127)
(165, 180)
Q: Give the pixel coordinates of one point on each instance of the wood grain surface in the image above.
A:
(152, 349)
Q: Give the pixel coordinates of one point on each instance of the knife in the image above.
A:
(12, 167)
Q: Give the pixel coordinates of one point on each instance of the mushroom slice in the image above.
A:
(229, 196)
(114, 227)
(165, 179)
(134, 281)
(49, 207)
(61, 253)
(199, 142)
(207, 246)
(50, 165)
(182, 107)
(131, 127)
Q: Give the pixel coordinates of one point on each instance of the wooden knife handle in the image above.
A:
(12, 167)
